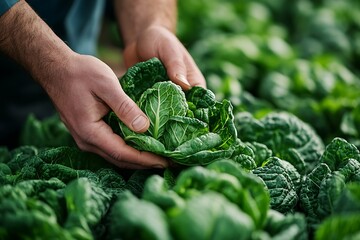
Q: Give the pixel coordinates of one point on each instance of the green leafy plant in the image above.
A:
(191, 128)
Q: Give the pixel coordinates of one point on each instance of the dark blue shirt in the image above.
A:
(77, 22)
(6, 5)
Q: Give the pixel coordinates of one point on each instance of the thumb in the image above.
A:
(127, 110)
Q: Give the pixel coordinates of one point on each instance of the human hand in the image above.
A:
(157, 41)
(83, 95)
(82, 88)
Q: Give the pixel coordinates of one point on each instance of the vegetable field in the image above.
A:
(269, 151)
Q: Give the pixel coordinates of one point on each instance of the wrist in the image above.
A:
(144, 34)
(136, 16)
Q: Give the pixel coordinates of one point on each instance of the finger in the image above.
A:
(129, 55)
(172, 58)
(124, 107)
(113, 148)
(176, 70)
(182, 69)
(194, 75)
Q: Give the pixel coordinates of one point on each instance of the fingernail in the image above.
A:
(139, 123)
(158, 166)
(182, 79)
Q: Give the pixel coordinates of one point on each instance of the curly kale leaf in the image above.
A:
(349, 200)
(285, 135)
(201, 97)
(142, 76)
(322, 187)
(344, 223)
(244, 155)
(110, 181)
(282, 181)
(19, 157)
(337, 152)
(72, 157)
(25, 217)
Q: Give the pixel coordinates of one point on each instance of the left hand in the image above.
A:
(157, 41)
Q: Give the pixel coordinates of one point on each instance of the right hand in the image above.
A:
(83, 93)
(157, 41)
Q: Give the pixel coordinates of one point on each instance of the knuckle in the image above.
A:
(82, 145)
(125, 108)
(117, 156)
(85, 140)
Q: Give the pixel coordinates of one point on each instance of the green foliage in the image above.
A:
(285, 167)
(133, 218)
(192, 221)
(290, 226)
(191, 128)
(285, 135)
(322, 187)
(54, 193)
(264, 56)
(344, 223)
(231, 181)
(282, 181)
(50, 132)
(87, 204)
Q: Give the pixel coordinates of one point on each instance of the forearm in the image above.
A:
(30, 42)
(134, 16)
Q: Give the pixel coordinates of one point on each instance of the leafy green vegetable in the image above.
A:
(86, 204)
(131, 218)
(339, 227)
(160, 102)
(322, 187)
(282, 181)
(142, 76)
(55, 193)
(157, 190)
(285, 135)
(259, 58)
(290, 226)
(50, 132)
(192, 221)
(229, 179)
(24, 217)
(191, 128)
(344, 223)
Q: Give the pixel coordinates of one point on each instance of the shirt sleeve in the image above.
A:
(6, 5)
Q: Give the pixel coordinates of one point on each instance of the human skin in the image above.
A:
(148, 29)
(83, 89)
